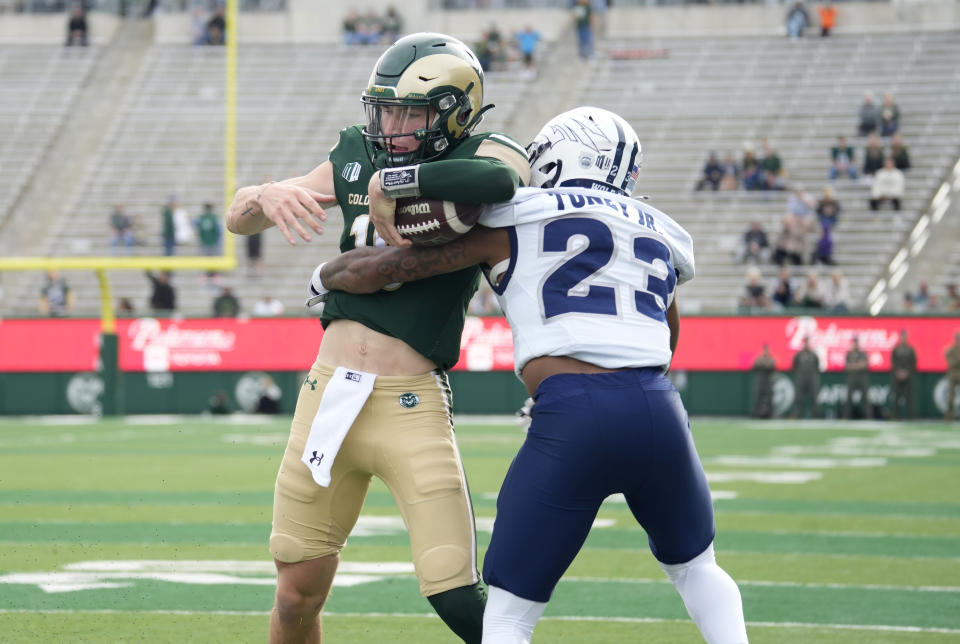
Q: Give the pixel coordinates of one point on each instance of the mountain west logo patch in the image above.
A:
(351, 172)
(409, 400)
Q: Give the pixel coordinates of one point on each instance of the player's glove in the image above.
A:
(525, 414)
(317, 292)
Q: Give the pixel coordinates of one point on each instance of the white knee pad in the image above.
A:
(711, 597)
(509, 619)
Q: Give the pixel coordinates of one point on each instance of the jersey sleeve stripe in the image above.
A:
(506, 140)
(508, 155)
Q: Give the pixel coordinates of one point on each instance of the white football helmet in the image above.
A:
(586, 147)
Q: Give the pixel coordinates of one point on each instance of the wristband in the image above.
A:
(400, 182)
(318, 292)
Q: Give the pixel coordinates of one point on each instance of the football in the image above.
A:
(431, 222)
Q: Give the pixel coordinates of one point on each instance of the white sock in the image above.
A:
(509, 619)
(711, 597)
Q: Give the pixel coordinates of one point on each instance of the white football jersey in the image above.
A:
(590, 276)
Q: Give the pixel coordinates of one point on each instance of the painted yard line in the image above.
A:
(559, 618)
(850, 627)
(486, 419)
(784, 584)
(49, 420)
(898, 510)
(795, 462)
(835, 424)
(212, 571)
(860, 627)
(782, 512)
(143, 419)
(725, 550)
(857, 535)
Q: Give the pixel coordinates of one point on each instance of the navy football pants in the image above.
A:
(594, 435)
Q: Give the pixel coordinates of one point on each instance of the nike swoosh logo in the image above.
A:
(424, 78)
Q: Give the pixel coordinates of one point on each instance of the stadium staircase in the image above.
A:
(938, 263)
(41, 85)
(166, 137)
(84, 95)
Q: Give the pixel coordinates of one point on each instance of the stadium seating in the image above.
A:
(39, 84)
(706, 94)
(169, 139)
(716, 94)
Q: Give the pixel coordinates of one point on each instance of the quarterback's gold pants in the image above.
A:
(411, 448)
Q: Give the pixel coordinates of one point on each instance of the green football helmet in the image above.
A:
(428, 87)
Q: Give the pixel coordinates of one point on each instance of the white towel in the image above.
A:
(342, 400)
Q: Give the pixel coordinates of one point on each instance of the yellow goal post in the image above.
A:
(227, 261)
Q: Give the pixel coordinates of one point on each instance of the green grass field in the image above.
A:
(155, 530)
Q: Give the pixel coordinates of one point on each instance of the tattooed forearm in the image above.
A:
(365, 270)
(409, 264)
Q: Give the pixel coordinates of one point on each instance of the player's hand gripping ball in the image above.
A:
(431, 222)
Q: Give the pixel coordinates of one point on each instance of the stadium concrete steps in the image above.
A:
(938, 262)
(716, 94)
(70, 157)
(40, 84)
(709, 93)
(168, 139)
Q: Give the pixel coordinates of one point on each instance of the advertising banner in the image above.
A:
(290, 344)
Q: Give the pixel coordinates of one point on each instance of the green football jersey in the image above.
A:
(427, 314)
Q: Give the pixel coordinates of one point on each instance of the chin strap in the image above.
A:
(478, 117)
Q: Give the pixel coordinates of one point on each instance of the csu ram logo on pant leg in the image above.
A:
(409, 400)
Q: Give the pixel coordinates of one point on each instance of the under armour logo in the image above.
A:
(316, 458)
(312, 383)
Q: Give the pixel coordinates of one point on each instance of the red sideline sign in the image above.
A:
(732, 343)
(290, 344)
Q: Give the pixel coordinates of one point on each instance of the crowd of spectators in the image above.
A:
(56, 298)
(922, 300)
(888, 185)
(804, 216)
(790, 291)
(883, 170)
(842, 160)
(226, 304)
(804, 238)
(122, 236)
(883, 119)
(764, 172)
(371, 28)
(208, 27)
(798, 19)
(77, 27)
(163, 296)
(267, 307)
(831, 294)
(497, 52)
